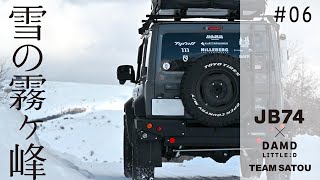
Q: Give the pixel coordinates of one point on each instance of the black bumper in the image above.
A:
(185, 135)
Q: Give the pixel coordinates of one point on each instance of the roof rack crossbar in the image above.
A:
(182, 14)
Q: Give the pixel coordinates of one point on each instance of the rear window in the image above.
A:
(179, 48)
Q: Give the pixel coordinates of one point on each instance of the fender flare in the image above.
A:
(129, 119)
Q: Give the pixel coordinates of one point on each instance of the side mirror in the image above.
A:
(125, 73)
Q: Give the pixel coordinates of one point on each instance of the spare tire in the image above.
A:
(210, 90)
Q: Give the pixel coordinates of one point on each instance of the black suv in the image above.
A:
(187, 95)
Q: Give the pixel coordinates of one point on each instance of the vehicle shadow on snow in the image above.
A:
(168, 178)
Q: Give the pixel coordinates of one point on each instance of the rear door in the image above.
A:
(181, 43)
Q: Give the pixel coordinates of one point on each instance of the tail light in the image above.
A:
(259, 140)
(172, 140)
(159, 129)
(149, 125)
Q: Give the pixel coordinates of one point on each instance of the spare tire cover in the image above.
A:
(210, 89)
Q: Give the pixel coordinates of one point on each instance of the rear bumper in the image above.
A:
(222, 137)
(185, 135)
(189, 139)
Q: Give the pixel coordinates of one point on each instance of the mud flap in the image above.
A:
(149, 152)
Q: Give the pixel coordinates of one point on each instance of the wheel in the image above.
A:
(245, 170)
(139, 172)
(210, 90)
(127, 154)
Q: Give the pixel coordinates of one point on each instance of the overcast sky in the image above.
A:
(82, 41)
(85, 40)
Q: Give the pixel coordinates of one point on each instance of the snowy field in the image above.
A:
(84, 124)
(93, 139)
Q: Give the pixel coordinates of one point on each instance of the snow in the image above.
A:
(10, 135)
(95, 137)
(308, 153)
(61, 96)
(92, 139)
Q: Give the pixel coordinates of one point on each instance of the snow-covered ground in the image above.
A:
(88, 132)
(93, 139)
(10, 135)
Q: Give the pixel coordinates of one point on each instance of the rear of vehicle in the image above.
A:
(175, 68)
(187, 95)
(188, 99)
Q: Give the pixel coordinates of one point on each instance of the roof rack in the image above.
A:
(179, 14)
(178, 17)
(217, 9)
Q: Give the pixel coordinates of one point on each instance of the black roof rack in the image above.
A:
(180, 14)
(217, 9)
(153, 18)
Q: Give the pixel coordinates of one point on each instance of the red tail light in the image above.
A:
(172, 140)
(259, 140)
(159, 129)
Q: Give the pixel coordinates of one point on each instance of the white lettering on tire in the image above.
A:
(223, 65)
(195, 101)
